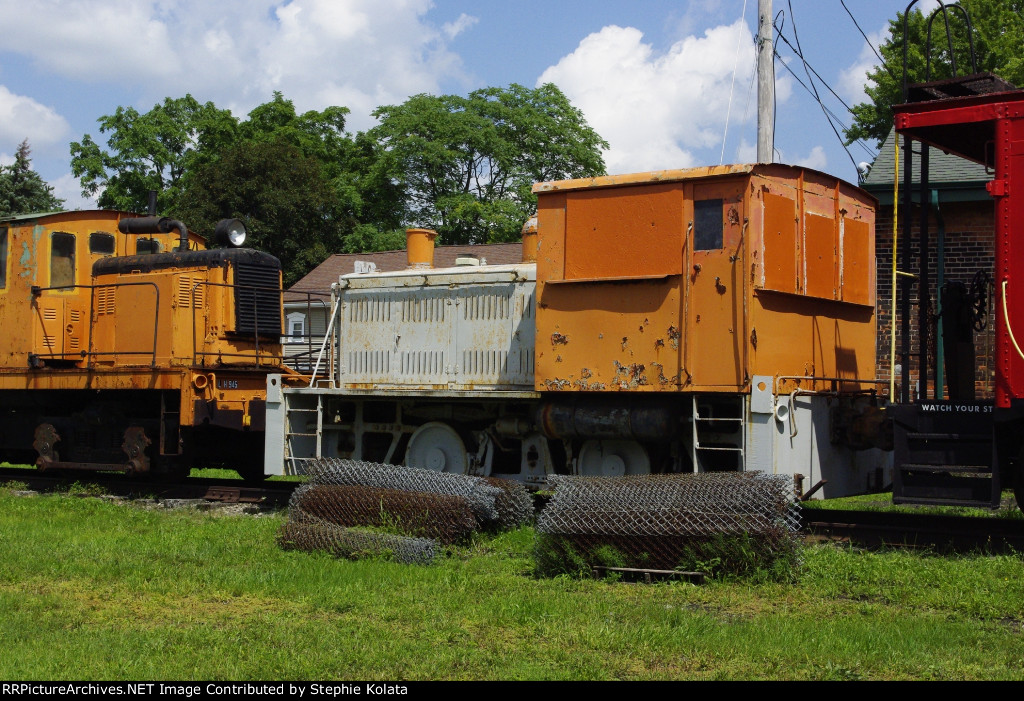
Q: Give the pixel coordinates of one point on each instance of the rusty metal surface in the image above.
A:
(697, 280)
(453, 329)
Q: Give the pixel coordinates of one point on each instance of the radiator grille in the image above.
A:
(257, 299)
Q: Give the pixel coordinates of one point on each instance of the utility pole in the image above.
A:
(765, 83)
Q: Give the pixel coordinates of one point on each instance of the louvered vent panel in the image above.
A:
(257, 299)
(105, 297)
(369, 309)
(189, 290)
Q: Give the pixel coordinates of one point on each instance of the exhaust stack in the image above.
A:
(419, 248)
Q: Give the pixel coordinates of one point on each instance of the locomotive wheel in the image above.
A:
(46, 439)
(613, 458)
(437, 446)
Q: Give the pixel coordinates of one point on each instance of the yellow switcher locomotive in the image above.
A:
(126, 345)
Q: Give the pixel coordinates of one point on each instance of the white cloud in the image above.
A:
(816, 159)
(659, 110)
(854, 77)
(22, 117)
(237, 52)
(68, 188)
(453, 29)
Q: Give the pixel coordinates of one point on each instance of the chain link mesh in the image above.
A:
(445, 518)
(730, 521)
(495, 502)
(434, 507)
(313, 534)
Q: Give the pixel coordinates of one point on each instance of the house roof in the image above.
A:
(956, 178)
(319, 280)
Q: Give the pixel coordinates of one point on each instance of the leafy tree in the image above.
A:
(999, 48)
(292, 178)
(287, 204)
(465, 165)
(150, 151)
(22, 190)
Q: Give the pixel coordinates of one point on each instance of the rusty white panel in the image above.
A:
(494, 336)
(452, 328)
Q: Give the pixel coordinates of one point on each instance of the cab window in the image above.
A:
(707, 225)
(62, 260)
(101, 243)
(146, 246)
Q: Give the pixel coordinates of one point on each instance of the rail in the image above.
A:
(303, 361)
(89, 353)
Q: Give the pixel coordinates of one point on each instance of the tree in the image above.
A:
(150, 151)
(22, 190)
(289, 208)
(999, 48)
(289, 177)
(465, 165)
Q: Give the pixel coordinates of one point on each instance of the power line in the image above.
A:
(881, 61)
(829, 115)
(829, 112)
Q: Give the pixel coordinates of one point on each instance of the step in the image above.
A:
(919, 467)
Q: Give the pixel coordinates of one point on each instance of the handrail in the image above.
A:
(255, 355)
(90, 353)
(323, 346)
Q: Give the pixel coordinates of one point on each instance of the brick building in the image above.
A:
(961, 230)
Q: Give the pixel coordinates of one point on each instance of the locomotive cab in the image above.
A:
(131, 344)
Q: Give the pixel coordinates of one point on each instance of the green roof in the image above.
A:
(956, 179)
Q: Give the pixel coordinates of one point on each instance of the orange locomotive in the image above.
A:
(127, 345)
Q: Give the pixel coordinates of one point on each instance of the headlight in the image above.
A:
(229, 232)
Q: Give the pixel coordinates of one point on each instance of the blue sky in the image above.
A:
(655, 77)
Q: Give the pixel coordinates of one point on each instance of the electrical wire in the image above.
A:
(832, 114)
(732, 86)
(1006, 317)
(881, 60)
(817, 97)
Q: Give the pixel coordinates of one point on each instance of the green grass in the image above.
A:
(883, 502)
(94, 590)
(222, 474)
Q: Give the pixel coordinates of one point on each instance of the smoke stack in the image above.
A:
(419, 247)
(530, 240)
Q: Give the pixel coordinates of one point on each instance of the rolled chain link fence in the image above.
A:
(729, 522)
(415, 510)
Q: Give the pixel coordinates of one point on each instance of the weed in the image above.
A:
(86, 489)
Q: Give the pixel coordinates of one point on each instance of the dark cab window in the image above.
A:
(62, 260)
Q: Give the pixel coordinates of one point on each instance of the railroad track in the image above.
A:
(265, 494)
(866, 528)
(939, 532)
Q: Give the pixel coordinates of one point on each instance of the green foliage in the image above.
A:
(283, 196)
(999, 48)
(752, 557)
(465, 165)
(149, 151)
(22, 190)
(744, 556)
(305, 188)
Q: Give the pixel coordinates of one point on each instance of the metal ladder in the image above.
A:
(297, 451)
(719, 442)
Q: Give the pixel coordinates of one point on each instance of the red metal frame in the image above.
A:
(989, 129)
